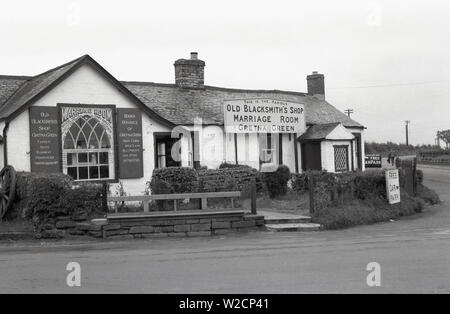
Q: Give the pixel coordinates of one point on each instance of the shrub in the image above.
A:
(27, 180)
(43, 204)
(181, 179)
(299, 182)
(419, 176)
(229, 179)
(428, 195)
(276, 182)
(82, 201)
(159, 186)
(368, 211)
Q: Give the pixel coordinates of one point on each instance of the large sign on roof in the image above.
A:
(264, 116)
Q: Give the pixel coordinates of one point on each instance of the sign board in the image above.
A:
(44, 139)
(264, 116)
(373, 161)
(129, 135)
(393, 186)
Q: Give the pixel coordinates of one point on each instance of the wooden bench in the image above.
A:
(146, 199)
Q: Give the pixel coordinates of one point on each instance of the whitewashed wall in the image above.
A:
(85, 86)
(327, 154)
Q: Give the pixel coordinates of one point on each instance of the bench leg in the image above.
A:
(204, 203)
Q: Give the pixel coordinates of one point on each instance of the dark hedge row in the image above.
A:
(44, 198)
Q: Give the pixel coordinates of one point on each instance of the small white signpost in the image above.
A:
(393, 186)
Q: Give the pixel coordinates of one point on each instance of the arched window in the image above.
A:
(87, 150)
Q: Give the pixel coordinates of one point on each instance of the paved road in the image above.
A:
(414, 255)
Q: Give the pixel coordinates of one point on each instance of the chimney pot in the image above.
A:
(194, 55)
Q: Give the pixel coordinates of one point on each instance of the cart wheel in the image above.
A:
(7, 189)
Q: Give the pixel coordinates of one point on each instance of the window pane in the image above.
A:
(104, 158)
(93, 172)
(104, 172)
(81, 143)
(72, 171)
(70, 159)
(68, 142)
(105, 141)
(82, 158)
(83, 172)
(93, 158)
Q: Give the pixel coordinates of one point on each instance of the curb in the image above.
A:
(14, 236)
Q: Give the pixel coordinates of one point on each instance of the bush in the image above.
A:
(299, 182)
(159, 186)
(368, 211)
(82, 201)
(236, 178)
(43, 204)
(419, 176)
(27, 180)
(428, 195)
(180, 179)
(276, 182)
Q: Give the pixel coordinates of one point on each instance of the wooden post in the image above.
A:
(146, 207)
(104, 198)
(175, 205)
(253, 196)
(204, 203)
(232, 203)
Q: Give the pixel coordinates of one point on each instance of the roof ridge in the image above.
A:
(14, 77)
(60, 66)
(218, 88)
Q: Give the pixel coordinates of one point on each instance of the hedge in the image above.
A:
(235, 178)
(180, 179)
(276, 182)
(43, 198)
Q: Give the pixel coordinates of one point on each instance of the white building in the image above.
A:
(80, 120)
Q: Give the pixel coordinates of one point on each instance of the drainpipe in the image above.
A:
(5, 144)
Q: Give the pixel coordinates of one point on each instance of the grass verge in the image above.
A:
(373, 210)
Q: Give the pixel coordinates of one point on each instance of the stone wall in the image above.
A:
(160, 225)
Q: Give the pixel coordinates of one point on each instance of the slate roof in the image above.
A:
(33, 87)
(318, 132)
(176, 105)
(181, 106)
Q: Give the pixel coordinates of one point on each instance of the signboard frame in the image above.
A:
(374, 165)
(393, 186)
(231, 126)
(135, 174)
(56, 143)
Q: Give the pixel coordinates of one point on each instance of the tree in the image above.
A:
(445, 136)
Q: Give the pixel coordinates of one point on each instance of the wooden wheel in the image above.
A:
(7, 189)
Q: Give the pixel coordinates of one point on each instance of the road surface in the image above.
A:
(414, 255)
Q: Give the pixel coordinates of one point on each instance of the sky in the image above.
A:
(389, 61)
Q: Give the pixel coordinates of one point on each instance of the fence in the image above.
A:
(147, 199)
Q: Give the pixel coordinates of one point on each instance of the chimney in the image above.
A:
(316, 85)
(190, 73)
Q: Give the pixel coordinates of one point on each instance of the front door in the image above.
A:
(311, 156)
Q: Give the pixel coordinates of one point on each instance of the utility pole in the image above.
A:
(348, 112)
(438, 139)
(407, 122)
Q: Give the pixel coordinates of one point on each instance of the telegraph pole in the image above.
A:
(348, 112)
(407, 122)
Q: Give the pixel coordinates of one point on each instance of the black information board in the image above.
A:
(129, 136)
(44, 140)
(373, 161)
